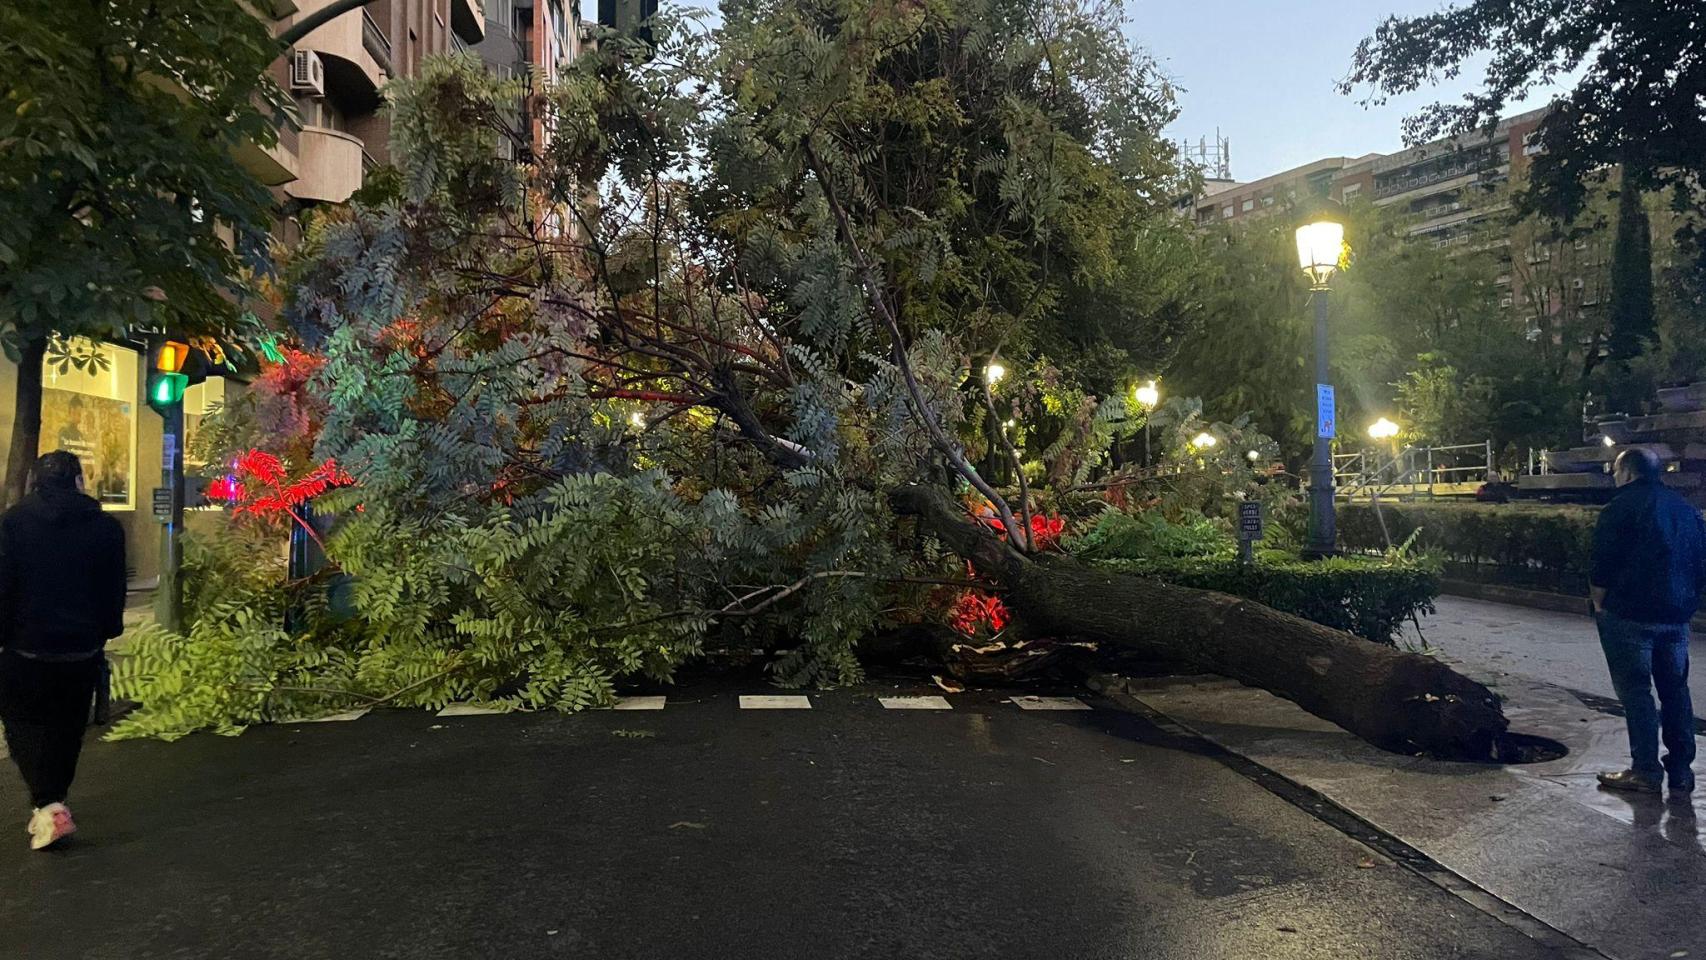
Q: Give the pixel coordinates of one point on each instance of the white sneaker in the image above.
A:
(51, 824)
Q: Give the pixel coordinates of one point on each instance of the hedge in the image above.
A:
(1367, 596)
(1532, 545)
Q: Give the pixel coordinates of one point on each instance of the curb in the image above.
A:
(1119, 691)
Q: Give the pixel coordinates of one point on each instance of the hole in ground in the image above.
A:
(1527, 748)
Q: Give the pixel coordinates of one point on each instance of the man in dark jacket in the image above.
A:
(1649, 564)
(62, 584)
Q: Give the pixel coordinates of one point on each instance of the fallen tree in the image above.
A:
(1396, 700)
(589, 440)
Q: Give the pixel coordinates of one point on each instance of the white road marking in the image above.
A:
(638, 703)
(336, 717)
(915, 703)
(1050, 703)
(469, 710)
(775, 702)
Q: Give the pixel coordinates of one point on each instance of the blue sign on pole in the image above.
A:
(1324, 412)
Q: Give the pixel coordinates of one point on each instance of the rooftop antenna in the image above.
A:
(1213, 159)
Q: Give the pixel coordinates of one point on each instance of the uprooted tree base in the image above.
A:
(1398, 701)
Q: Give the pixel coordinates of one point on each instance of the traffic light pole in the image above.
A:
(169, 599)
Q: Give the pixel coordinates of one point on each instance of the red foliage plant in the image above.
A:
(258, 470)
(974, 611)
(1046, 529)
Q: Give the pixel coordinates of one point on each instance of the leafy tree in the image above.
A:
(756, 352)
(1635, 106)
(123, 204)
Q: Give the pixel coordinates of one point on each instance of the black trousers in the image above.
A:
(44, 706)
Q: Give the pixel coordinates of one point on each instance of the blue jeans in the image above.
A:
(1643, 656)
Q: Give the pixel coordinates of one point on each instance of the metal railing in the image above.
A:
(1412, 471)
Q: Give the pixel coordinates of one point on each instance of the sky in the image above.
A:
(1263, 72)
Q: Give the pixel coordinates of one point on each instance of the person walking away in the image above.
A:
(1649, 565)
(62, 584)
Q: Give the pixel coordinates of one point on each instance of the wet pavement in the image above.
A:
(703, 830)
(1496, 640)
(1622, 874)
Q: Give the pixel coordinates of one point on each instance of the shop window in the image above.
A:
(92, 413)
(199, 401)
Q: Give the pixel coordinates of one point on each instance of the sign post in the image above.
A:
(1249, 529)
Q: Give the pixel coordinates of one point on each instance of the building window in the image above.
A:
(1351, 190)
(1267, 201)
(92, 413)
(1226, 212)
(1531, 144)
(1248, 206)
(199, 401)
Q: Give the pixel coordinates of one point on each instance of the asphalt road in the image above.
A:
(705, 831)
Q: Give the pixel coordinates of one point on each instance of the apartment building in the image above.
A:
(1229, 201)
(335, 74)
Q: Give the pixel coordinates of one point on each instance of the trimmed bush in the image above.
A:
(1546, 547)
(1370, 597)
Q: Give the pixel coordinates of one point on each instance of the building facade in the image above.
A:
(335, 74)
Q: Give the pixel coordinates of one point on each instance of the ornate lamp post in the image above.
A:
(1148, 397)
(1319, 246)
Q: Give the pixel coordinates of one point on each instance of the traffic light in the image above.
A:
(166, 379)
(173, 367)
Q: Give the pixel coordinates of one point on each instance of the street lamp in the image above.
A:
(1204, 440)
(1148, 397)
(1319, 246)
(1254, 455)
(994, 372)
(1383, 429)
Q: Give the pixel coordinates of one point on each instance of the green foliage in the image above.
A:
(123, 199)
(1546, 547)
(1370, 597)
(1119, 535)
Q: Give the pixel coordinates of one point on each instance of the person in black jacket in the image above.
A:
(1649, 565)
(62, 584)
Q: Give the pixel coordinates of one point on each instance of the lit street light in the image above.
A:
(1254, 455)
(1319, 246)
(1204, 440)
(1148, 397)
(994, 372)
(1383, 429)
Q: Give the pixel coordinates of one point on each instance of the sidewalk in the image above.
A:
(1495, 641)
(1619, 874)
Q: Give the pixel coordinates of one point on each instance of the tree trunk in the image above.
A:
(1398, 701)
(26, 422)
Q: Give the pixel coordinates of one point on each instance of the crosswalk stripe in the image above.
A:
(915, 703)
(774, 702)
(638, 703)
(347, 715)
(1049, 703)
(469, 710)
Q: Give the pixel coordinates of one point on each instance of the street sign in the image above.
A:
(1324, 411)
(163, 504)
(1250, 520)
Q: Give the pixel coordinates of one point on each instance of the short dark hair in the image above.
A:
(1640, 462)
(58, 470)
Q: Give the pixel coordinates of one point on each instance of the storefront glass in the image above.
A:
(92, 413)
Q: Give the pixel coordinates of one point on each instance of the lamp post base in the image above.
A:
(1323, 539)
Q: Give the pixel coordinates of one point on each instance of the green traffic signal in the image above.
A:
(166, 390)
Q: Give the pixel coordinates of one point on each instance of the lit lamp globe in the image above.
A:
(1148, 397)
(1203, 441)
(993, 373)
(1319, 246)
(1383, 429)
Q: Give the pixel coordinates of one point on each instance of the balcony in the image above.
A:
(468, 20)
(346, 44)
(373, 40)
(330, 168)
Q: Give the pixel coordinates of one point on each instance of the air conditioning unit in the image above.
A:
(307, 73)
